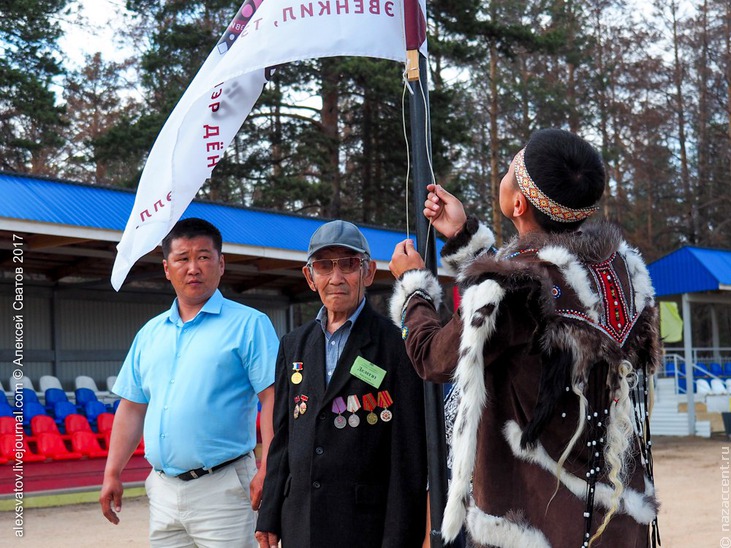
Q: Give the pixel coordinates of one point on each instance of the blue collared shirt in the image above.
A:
(335, 342)
(200, 381)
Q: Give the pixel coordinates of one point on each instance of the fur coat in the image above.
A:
(553, 349)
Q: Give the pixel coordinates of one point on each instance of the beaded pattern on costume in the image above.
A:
(620, 313)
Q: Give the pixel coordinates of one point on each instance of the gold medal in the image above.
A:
(372, 418)
(296, 377)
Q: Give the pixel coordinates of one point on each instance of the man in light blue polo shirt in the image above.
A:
(190, 382)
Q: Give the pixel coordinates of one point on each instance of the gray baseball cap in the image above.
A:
(338, 234)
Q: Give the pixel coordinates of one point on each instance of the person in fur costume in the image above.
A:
(553, 349)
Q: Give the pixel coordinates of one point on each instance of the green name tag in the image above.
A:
(367, 372)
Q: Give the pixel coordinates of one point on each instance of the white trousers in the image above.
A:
(213, 511)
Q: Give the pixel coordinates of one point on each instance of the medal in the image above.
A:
(296, 407)
(353, 406)
(303, 404)
(369, 404)
(296, 376)
(384, 400)
(338, 407)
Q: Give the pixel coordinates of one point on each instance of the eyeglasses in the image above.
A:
(346, 265)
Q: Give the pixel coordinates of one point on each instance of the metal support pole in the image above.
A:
(689, 373)
(433, 393)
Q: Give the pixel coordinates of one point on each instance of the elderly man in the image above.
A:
(191, 380)
(347, 464)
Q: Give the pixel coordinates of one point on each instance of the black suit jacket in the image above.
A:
(352, 487)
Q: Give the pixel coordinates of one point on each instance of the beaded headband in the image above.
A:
(544, 204)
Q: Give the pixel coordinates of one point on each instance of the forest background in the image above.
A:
(649, 87)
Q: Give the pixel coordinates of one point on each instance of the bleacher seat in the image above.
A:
(115, 405)
(30, 410)
(41, 424)
(702, 387)
(29, 396)
(718, 386)
(49, 381)
(682, 384)
(716, 369)
(84, 381)
(53, 396)
(5, 409)
(7, 425)
(24, 382)
(8, 449)
(111, 379)
(53, 447)
(62, 410)
(93, 409)
(87, 444)
(77, 423)
(104, 422)
(728, 385)
(670, 369)
(701, 371)
(727, 369)
(83, 396)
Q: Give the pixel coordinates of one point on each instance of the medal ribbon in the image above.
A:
(369, 402)
(296, 366)
(304, 398)
(296, 399)
(384, 399)
(353, 403)
(338, 405)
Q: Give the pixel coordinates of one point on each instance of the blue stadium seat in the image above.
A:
(716, 369)
(701, 371)
(93, 409)
(727, 369)
(5, 409)
(30, 410)
(53, 396)
(61, 410)
(670, 369)
(682, 384)
(84, 396)
(29, 396)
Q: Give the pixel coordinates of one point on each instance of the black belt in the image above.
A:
(198, 472)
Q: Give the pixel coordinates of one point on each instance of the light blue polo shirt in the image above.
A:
(200, 380)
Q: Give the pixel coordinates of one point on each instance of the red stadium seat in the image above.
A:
(43, 423)
(86, 443)
(104, 422)
(8, 449)
(77, 423)
(53, 447)
(7, 425)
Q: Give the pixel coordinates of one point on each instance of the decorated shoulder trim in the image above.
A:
(474, 240)
(414, 282)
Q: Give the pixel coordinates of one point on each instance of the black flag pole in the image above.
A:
(433, 394)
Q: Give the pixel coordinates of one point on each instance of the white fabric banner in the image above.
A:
(264, 33)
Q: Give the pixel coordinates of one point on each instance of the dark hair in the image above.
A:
(192, 228)
(567, 169)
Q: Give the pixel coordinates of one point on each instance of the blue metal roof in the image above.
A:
(75, 204)
(691, 270)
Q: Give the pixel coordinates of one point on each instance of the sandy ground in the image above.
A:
(691, 477)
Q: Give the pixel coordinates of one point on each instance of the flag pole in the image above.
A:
(436, 444)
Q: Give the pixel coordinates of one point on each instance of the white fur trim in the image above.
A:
(479, 311)
(481, 240)
(633, 502)
(411, 281)
(644, 292)
(575, 275)
(495, 531)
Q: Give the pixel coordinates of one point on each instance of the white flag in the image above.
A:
(264, 33)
